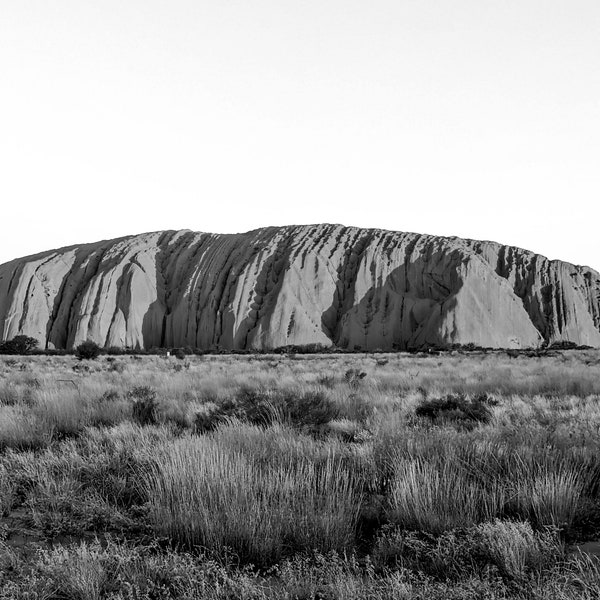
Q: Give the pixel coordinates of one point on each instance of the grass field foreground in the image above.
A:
(462, 475)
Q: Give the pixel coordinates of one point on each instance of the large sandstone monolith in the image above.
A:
(328, 284)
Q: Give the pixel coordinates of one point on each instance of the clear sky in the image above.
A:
(476, 118)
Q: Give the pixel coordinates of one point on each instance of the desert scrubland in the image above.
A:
(458, 475)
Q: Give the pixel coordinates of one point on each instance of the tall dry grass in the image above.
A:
(21, 430)
(204, 493)
(440, 478)
(438, 496)
(545, 494)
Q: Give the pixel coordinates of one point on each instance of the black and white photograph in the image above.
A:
(300, 300)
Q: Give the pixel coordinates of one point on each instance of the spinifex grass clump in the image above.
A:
(438, 495)
(547, 494)
(205, 493)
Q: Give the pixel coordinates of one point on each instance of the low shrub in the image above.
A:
(353, 377)
(516, 549)
(88, 350)
(249, 404)
(20, 344)
(512, 549)
(307, 409)
(205, 422)
(144, 409)
(310, 409)
(455, 408)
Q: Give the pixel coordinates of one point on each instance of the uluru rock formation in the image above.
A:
(328, 284)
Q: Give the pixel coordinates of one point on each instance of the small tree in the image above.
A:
(87, 350)
(20, 344)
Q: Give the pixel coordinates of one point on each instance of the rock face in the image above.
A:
(355, 288)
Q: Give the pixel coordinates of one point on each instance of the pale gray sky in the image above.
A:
(476, 118)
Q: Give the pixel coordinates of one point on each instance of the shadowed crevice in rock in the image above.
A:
(405, 312)
(154, 325)
(265, 295)
(343, 297)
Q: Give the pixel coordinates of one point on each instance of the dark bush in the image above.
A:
(309, 409)
(353, 377)
(263, 407)
(247, 405)
(87, 350)
(314, 348)
(562, 345)
(144, 410)
(205, 422)
(179, 353)
(250, 404)
(20, 344)
(456, 408)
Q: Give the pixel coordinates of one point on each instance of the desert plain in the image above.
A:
(289, 476)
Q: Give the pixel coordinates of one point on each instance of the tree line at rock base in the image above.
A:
(23, 345)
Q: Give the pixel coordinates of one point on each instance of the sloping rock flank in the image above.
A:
(328, 284)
